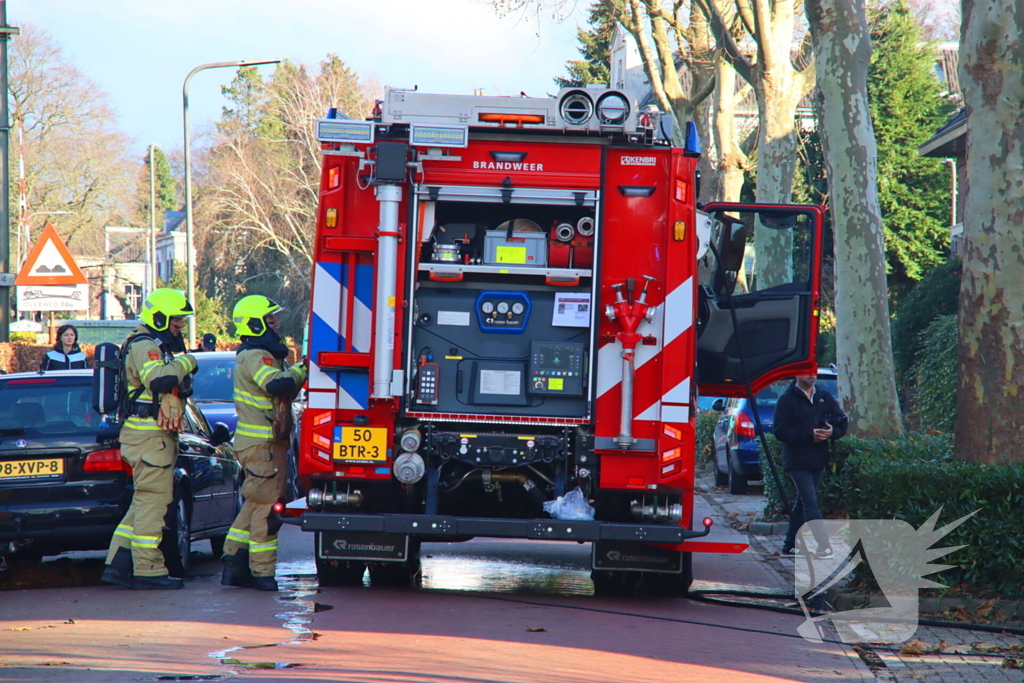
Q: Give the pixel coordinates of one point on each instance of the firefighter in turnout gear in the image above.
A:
(154, 385)
(264, 389)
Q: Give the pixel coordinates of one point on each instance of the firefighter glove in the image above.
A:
(170, 414)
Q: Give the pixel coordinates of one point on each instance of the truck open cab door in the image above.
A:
(758, 296)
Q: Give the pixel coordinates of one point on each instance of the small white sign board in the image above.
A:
(53, 297)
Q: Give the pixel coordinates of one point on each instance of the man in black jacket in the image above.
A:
(806, 418)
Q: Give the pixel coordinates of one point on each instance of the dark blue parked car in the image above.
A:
(737, 446)
(214, 388)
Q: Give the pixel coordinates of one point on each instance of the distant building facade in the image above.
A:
(170, 244)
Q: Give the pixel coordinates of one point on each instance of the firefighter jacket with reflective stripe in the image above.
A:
(259, 381)
(146, 362)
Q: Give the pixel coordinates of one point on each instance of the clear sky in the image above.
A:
(139, 51)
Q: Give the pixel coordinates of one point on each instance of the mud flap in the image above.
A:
(360, 545)
(631, 557)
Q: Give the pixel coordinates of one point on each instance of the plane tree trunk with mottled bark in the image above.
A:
(990, 420)
(842, 53)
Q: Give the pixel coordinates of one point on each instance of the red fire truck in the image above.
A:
(515, 303)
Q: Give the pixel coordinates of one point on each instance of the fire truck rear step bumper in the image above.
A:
(549, 529)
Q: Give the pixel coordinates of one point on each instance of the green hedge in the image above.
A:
(705, 436)
(913, 477)
(935, 374)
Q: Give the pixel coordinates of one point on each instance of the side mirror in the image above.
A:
(718, 405)
(221, 434)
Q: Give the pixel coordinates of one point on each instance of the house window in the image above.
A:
(133, 297)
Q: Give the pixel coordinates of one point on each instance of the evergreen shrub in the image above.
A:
(913, 477)
(935, 376)
(704, 442)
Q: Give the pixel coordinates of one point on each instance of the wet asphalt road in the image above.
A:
(488, 611)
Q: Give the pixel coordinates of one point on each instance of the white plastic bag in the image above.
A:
(571, 506)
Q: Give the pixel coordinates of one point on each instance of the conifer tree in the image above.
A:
(907, 107)
(595, 46)
(166, 187)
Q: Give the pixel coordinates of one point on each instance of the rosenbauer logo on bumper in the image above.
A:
(507, 166)
(639, 161)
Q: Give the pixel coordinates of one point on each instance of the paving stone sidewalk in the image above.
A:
(963, 656)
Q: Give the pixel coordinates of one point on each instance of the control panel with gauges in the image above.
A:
(503, 312)
(494, 350)
(556, 368)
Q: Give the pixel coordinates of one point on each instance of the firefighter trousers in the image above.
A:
(152, 454)
(265, 467)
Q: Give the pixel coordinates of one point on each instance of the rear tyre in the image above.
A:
(337, 572)
(737, 481)
(652, 584)
(615, 584)
(406, 573)
(177, 542)
(671, 585)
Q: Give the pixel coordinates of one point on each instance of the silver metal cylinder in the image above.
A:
(625, 438)
(410, 440)
(389, 197)
(318, 499)
(409, 468)
(585, 226)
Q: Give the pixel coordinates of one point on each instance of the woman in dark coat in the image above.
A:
(65, 354)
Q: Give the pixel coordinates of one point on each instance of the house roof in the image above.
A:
(173, 221)
(950, 140)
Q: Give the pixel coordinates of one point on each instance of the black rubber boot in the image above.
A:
(119, 571)
(156, 583)
(236, 570)
(264, 583)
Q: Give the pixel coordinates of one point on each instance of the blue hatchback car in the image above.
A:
(737, 446)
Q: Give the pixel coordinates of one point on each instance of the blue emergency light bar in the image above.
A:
(438, 135)
(340, 130)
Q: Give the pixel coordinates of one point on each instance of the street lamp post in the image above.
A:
(151, 275)
(190, 266)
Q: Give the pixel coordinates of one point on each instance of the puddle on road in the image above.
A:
(501, 575)
(476, 574)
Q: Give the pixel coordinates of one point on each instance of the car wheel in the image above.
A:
(737, 481)
(217, 542)
(177, 541)
(721, 478)
(292, 489)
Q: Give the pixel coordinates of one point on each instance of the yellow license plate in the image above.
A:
(366, 444)
(30, 469)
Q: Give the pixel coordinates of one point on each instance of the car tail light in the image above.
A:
(108, 460)
(744, 426)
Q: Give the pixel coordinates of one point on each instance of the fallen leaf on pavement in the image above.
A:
(1013, 663)
(536, 629)
(987, 647)
(985, 608)
(20, 628)
(915, 647)
(954, 649)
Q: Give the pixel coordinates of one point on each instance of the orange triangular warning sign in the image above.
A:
(50, 263)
